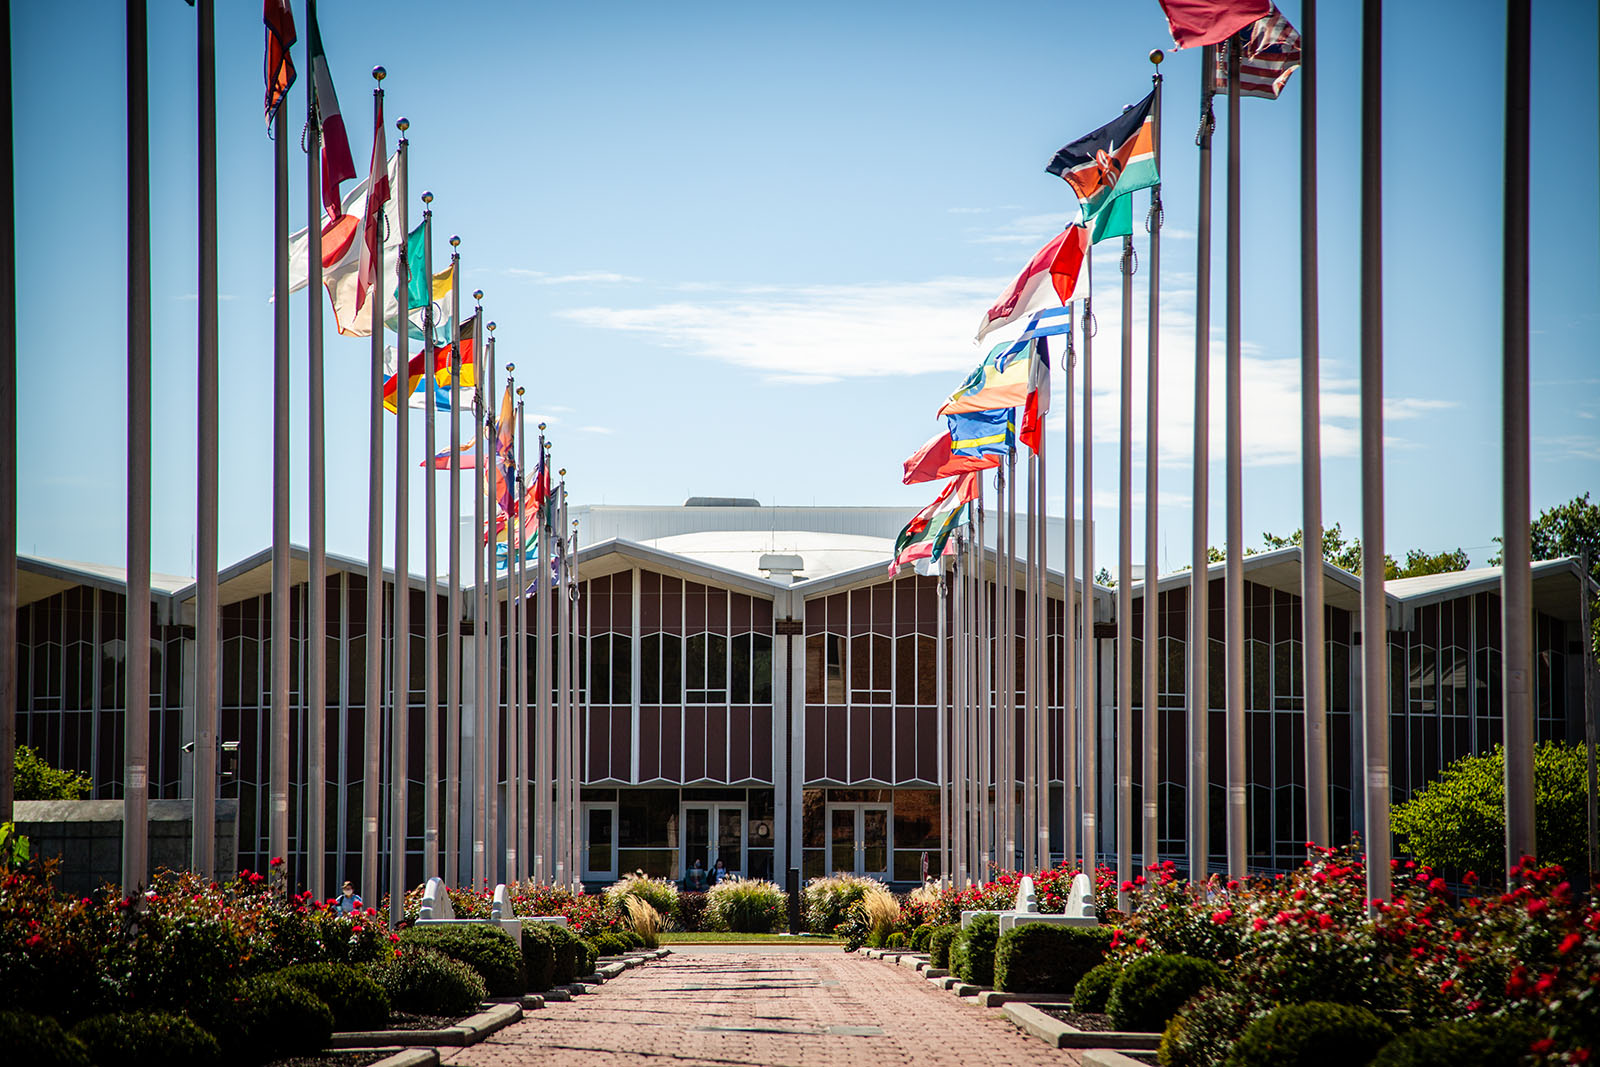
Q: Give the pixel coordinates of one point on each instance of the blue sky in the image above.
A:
(741, 249)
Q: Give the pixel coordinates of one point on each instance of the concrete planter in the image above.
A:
(468, 1031)
(1057, 1034)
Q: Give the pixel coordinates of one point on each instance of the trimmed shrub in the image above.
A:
(487, 949)
(266, 1018)
(1311, 1035)
(940, 939)
(1489, 1042)
(659, 893)
(745, 906)
(972, 955)
(39, 1040)
(1040, 958)
(357, 1001)
(1094, 988)
(828, 902)
(919, 937)
(424, 982)
(1153, 988)
(609, 945)
(631, 939)
(570, 955)
(1206, 1028)
(895, 940)
(146, 1039)
(538, 956)
(691, 912)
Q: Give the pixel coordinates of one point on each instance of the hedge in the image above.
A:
(1044, 958)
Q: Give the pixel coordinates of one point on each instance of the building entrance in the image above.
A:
(858, 839)
(712, 832)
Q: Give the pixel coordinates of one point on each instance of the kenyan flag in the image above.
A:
(1118, 158)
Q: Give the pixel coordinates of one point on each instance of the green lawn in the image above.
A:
(718, 937)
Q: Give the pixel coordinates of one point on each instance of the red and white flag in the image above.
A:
(372, 217)
(278, 66)
(1037, 405)
(337, 163)
(1049, 279)
(1199, 22)
(934, 461)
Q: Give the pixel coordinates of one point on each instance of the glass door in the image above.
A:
(714, 831)
(858, 839)
(599, 842)
(874, 830)
(842, 839)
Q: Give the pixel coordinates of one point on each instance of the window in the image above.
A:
(707, 670)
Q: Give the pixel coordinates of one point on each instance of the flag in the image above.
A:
(535, 499)
(505, 431)
(982, 433)
(1050, 276)
(1115, 221)
(372, 215)
(343, 243)
(464, 454)
(278, 66)
(991, 385)
(1270, 52)
(1200, 22)
(418, 370)
(420, 295)
(1037, 403)
(1117, 158)
(934, 461)
(337, 164)
(924, 536)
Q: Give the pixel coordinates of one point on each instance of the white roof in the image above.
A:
(822, 554)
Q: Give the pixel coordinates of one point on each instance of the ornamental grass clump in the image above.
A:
(1311, 1035)
(745, 906)
(146, 1039)
(882, 913)
(487, 949)
(644, 921)
(828, 902)
(659, 893)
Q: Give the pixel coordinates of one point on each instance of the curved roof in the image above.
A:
(822, 554)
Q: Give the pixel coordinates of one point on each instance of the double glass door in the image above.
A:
(713, 832)
(858, 839)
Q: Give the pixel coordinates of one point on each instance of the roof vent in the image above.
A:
(722, 502)
(780, 566)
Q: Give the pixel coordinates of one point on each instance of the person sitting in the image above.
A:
(695, 880)
(348, 900)
(720, 872)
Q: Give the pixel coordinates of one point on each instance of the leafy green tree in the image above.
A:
(1457, 822)
(1346, 553)
(37, 780)
(1569, 529)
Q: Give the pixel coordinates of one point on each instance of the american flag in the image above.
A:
(1270, 53)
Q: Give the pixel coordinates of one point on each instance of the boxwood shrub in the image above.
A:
(608, 945)
(265, 1018)
(940, 938)
(570, 955)
(424, 982)
(1486, 1042)
(919, 937)
(357, 1001)
(1042, 958)
(1311, 1035)
(538, 956)
(1206, 1028)
(1094, 988)
(146, 1039)
(1151, 989)
(487, 949)
(39, 1039)
(972, 955)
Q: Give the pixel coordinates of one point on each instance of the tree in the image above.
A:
(1347, 554)
(37, 780)
(1569, 529)
(1457, 822)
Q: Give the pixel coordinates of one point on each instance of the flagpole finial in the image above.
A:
(427, 197)
(378, 74)
(479, 296)
(541, 427)
(455, 240)
(1156, 56)
(510, 368)
(519, 392)
(562, 472)
(402, 124)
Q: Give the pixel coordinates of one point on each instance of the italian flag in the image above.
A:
(925, 535)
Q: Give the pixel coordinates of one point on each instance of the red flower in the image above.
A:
(1537, 906)
(1446, 985)
(1324, 920)
(1569, 943)
(1220, 917)
(1259, 924)
(35, 941)
(1542, 1046)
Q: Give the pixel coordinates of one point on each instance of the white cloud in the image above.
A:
(1026, 229)
(594, 429)
(540, 277)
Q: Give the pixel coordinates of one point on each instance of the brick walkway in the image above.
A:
(760, 1007)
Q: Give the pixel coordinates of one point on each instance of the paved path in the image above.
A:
(753, 1006)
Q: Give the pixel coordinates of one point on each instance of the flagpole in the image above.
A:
(987, 843)
(569, 562)
(941, 697)
(542, 669)
(1516, 599)
(472, 725)
(1091, 711)
(430, 558)
(564, 704)
(282, 579)
(1374, 615)
(976, 785)
(493, 691)
(958, 701)
(316, 477)
(1069, 626)
(1005, 689)
(452, 638)
(8, 440)
(1040, 768)
(1151, 775)
(400, 658)
(1125, 814)
(1198, 782)
(1315, 652)
(203, 823)
(373, 712)
(515, 655)
(1029, 632)
(136, 730)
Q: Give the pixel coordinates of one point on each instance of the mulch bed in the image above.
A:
(1091, 1022)
(399, 1020)
(331, 1059)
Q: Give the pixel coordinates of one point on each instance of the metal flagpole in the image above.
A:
(1234, 586)
(136, 730)
(563, 703)
(206, 624)
(1069, 626)
(958, 702)
(544, 734)
(492, 691)
(282, 580)
(1315, 651)
(1150, 777)
(1029, 630)
(430, 559)
(976, 786)
(1516, 599)
(1041, 644)
(941, 697)
(472, 724)
(1091, 710)
(1198, 783)
(373, 712)
(1124, 733)
(316, 744)
(1374, 618)
(400, 614)
(516, 653)
(1006, 626)
(8, 437)
(569, 559)
(985, 602)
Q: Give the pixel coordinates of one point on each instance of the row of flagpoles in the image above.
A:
(523, 519)
(1248, 49)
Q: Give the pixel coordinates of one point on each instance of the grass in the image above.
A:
(722, 937)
